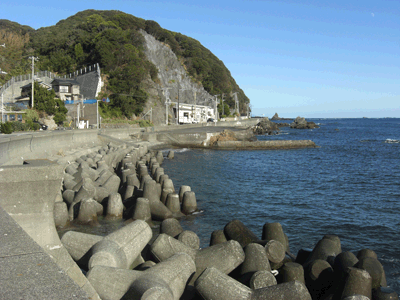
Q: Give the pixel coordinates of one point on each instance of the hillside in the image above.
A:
(116, 41)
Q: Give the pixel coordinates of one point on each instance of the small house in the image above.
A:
(66, 89)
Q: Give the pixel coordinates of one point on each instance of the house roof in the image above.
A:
(64, 81)
(29, 85)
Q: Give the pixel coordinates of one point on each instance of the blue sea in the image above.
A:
(349, 186)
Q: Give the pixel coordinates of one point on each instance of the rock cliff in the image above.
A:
(172, 76)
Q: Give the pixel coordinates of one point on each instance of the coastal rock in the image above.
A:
(275, 117)
(226, 135)
(265, 126)
(284, 124)
(301, 123)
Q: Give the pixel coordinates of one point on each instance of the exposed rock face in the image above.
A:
(301, 123)
(172, 75)
(265, 126)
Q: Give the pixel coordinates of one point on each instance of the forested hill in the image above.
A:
(112, 39)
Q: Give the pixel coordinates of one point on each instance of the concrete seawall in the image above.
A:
(27, 194)
(15, 149)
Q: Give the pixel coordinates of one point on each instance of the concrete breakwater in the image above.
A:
(131, 263)
(221, 271)
(263, 145)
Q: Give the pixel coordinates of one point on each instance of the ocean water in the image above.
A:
(349, 186)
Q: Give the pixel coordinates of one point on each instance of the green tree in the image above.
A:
(45, 100)
(79, 54)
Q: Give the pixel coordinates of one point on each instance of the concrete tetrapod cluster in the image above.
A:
(120, 181)
(132, 264)
(322, 273)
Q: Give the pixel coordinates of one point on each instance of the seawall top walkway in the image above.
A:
(27, 271)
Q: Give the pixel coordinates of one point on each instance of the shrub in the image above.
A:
(145, 123)
(32, 126)
(6, 128)
(31, 115)
(59, 118)
(18, 126)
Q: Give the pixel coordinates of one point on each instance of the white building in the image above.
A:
(190, 113)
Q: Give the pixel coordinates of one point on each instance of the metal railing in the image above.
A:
(48, 74)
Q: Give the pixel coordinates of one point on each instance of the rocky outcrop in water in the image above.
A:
(277, 118)
(301, 123)
(226, 135)
(265, 126)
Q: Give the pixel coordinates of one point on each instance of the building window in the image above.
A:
(20, 118)
(5, 118)
(63, 89)
(12, 117)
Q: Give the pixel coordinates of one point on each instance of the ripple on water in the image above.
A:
(348, 187)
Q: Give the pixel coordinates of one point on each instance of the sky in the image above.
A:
(315, 59)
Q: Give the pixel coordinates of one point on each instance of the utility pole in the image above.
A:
(179, 101)
(77, 113)
(2, 106)
(236, 102)
(195, 103)
(2, 92)
(167, 102)
(97, 113)
(177, 111)
(33, 81)
(223, 99)
(216, 107)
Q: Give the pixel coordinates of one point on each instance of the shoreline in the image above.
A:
(145, 158)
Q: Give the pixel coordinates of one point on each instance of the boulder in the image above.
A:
(265, 126)
(301, 123)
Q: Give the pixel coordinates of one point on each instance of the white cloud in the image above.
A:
(372, 14)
